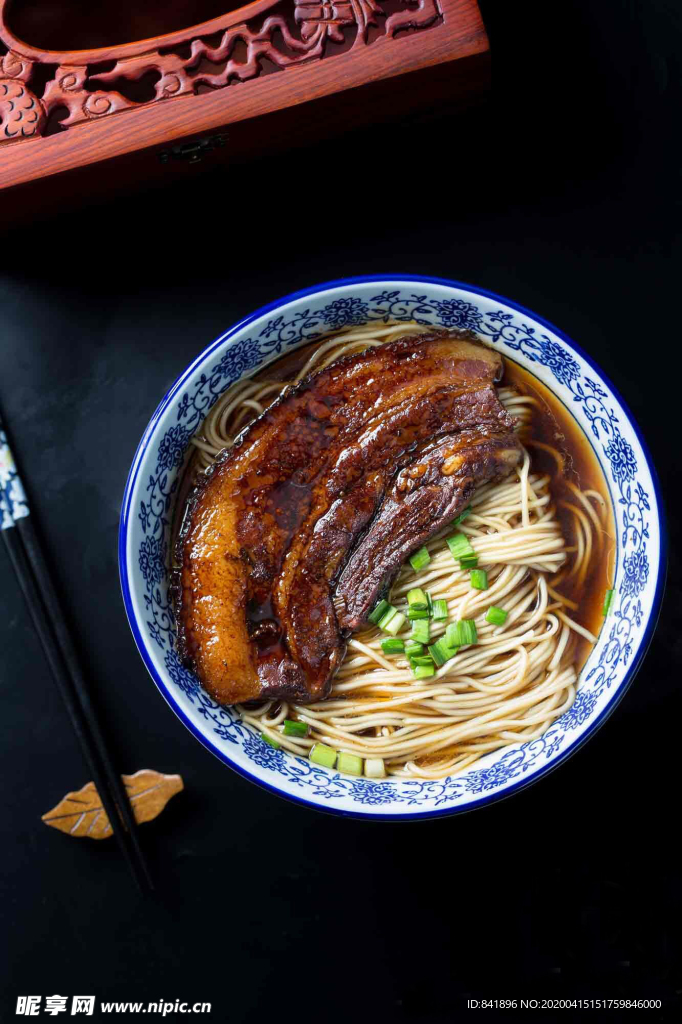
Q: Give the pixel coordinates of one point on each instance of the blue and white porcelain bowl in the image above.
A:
(520, 335)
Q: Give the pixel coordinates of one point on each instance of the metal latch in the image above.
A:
(193, 152)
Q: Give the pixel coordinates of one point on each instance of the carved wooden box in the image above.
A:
(258, 78)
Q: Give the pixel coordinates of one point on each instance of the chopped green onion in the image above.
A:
(461, 632)
(420, 559)
(468, 562)
(379, 610)
(462, 516)
(292, 728)
(468, 627)
(391, 645)
(452, 635)
(440, 610)
(269, 740)
(351, 764)
(417, 613)
(321, 754)
(496, 616)
(459, 545)
(441, 652)
(421, 631)
(374, 768)
(608, 601)
(437, 654)
(424, 671)
(429, 604)
(468, 631)
(389, 613)
(416, 600)
(421, 659)
(413, 648)
(479, 579)
(395, 625)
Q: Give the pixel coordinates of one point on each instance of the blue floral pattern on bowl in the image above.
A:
(155, 475)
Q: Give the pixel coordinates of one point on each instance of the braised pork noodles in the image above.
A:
(537, 547)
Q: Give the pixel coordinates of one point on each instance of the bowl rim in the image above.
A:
(165, 691)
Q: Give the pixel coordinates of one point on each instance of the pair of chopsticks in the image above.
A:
(21, 539)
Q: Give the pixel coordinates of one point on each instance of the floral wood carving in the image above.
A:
(299, 33)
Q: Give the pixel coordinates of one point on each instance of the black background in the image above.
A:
(561, 194)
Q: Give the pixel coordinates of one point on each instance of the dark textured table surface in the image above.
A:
(563, 194)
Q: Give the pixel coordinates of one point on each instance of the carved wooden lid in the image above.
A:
(282, 53)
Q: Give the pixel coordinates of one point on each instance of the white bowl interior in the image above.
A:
(588, 398)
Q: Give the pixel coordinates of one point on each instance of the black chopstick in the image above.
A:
(22, 543)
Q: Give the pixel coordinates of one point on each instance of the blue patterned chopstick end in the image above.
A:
(13, 503)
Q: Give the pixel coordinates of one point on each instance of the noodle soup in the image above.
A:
(543, 536)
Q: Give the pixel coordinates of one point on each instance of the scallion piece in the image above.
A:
(424, 671)
(379, 610)
(468, 632)
(395, 624)
(292, 728)
(413, 648)
(324, 755)
(416, 600)
(429, 604)
(452, 634)
(608, 601)
(462, 516)
(420, 559)
(440, 610)
(421, 659)
(441, 652)
(468, 562)
(417, 613)
(421, 631)
(461, 632)
(436, 654)
(389, 613)
(460, 546)
(375, 768)
(391, 645)
(269, 740)
(479, 579)
(351, 764)
(496, 616)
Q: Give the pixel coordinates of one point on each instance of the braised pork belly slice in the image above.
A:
(270, 527)
(424, 497)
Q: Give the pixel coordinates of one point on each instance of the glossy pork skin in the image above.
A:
(269, 528)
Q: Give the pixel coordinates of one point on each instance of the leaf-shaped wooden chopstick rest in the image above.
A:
(82, 814)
